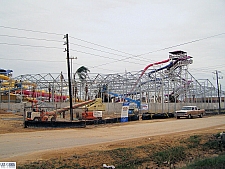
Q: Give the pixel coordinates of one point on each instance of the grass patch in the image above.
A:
(214, 143)
(128, 157)
(51, 164)
(193, 141)
(161, 154)
(209, 163)
(169, 156)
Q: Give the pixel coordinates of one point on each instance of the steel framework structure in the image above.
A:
(158, 84)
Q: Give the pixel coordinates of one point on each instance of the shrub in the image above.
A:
(209, 163)
(193, 141)
(169, 156)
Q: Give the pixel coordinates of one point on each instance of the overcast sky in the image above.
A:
(111, 36)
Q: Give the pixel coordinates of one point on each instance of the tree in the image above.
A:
(82, 73)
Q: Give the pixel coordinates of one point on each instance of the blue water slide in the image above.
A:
(167, 66)
(5, 72)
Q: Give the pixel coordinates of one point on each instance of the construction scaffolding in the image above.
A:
(165, 82)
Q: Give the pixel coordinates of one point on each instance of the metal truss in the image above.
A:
(160, 83)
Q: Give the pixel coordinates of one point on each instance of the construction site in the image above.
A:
(159, 89)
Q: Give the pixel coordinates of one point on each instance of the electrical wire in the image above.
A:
(29, 30)
(181, 44)
(101, 46)
(134, 56)
(22, 37)
(104, 51)
(18, 59)
(116, 60)
(37, 46)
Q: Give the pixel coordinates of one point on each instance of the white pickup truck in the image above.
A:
(189, 112)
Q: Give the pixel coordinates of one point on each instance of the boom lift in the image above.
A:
(95, 106)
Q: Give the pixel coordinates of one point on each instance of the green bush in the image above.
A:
(169, 156)
(209, 163)
(212, 144)
(194, 141)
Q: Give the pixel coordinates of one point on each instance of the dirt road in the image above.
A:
(18, 144)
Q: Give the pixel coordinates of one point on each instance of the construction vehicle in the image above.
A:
(39, 114)
(133, 112)
(95, 107)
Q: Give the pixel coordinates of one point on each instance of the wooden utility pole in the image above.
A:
(218, 89)
(69, 76)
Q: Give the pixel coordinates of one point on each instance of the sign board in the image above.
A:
(144, 106)
(97, 113)
(124, 112)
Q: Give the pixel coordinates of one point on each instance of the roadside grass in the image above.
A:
(208, 163)
(194, 141)
(193, 152)
(169, 156)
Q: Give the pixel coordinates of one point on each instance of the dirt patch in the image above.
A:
(114, 153)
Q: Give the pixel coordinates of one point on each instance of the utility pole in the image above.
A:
(69, 76)
(218, 89)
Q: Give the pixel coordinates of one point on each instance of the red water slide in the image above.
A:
(146, 68)
(152, 64)
(43, 94)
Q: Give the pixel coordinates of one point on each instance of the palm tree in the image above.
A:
(82, 74)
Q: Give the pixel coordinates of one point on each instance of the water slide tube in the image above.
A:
(5, 72)
(4, 77)
(44, 94)
(170, 65)
(166, 67)
(146, 68)
(157, 63)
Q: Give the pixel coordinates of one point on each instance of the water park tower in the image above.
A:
(177, 54)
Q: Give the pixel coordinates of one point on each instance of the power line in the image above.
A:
(131, 55)
(29, 30)
(36, 46)
(181, 44)
(78, 64)
(134, 56)
(103, 51)
(31, 60)
(206, 69)
(100, 45)
(22, 37)
(116, 60)
(116, 49)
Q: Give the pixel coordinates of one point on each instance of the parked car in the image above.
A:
(189, 112)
